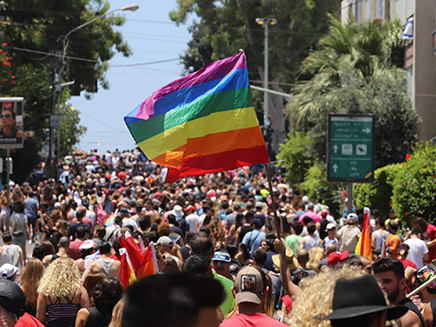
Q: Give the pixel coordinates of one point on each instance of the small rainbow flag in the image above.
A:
(201, 123)
(109, 221)
(363, 246)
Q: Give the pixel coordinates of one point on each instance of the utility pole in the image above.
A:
(266, 22)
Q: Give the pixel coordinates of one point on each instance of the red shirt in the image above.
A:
(27, 320)
(74, 251)
(407, 263)
(252, 320)
(430, 236)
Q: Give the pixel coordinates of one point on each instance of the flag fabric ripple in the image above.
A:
(201, 123)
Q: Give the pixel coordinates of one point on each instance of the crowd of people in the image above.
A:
(220, 260)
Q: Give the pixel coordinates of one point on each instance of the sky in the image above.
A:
(152, 37)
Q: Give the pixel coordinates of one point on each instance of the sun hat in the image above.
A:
(358, 297)
(290, 258)
(178, 211)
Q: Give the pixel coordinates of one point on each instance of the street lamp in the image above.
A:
(266, 22)
(57, 78)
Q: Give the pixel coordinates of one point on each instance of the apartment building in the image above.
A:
(420, 60)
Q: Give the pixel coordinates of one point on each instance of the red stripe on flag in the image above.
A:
(228, 160)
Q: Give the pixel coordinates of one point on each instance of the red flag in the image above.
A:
(127, 274)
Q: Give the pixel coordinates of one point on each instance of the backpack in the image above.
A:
(17, 230)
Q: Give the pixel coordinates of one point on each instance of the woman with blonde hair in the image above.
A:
(316, 254)
(29, 282)
(117, 314)
(61, 295)
(317, 296)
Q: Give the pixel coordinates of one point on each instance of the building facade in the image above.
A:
(420, 60)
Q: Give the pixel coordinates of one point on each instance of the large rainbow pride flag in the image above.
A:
(201, 123)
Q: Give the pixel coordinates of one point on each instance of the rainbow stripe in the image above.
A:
(203, 122)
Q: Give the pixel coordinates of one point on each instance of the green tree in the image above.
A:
(414, 187)
(353, 72)
(295, 157)
(220, 28)
(32, 50)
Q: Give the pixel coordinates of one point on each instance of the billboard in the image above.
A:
(11, 122)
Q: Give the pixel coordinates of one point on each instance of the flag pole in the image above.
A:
(273, 202)
(417, 290)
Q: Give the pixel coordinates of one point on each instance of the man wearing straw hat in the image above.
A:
(389, 273)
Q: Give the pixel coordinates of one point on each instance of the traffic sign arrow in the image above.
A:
(335, 168)
(366, 130)
(335, 148)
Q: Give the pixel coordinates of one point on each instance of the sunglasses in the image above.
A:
(6, 116)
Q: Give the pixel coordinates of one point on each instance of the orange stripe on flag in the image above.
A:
(211, 144)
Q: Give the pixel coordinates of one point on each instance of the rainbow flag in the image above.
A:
(109, 221)
(201, 123)
(363, 246)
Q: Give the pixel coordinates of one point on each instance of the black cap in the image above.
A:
(12, 297)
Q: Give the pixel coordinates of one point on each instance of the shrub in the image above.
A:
(295, 157)
(414, 192)
(378, 194)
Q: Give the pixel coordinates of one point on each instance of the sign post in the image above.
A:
(350, 150)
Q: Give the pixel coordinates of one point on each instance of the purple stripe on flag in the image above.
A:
(215, 70)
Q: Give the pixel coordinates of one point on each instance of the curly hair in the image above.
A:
(29, 281)
(317, 296)
(107, 293)
(216, 230)
(164, 229)
(60, 279)
(315, 256)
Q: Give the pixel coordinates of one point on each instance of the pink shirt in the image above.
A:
(252, 320)
(315, 217)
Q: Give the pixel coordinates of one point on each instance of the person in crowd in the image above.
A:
(428, 235)
(173, 299)
(359, 302)
(11, 253)
(104, 264)
(105, 296)
(31, 207)
(293, 241)
(311, 240)
(427, 295)
(331, 236)
(63, 250)
(251, 291)
(20, 227)
(393, 240)
(254, 238)
(349, 234)
(61, 294)
(29, 283)
(378, 235)
(418, 251)
(389, 273)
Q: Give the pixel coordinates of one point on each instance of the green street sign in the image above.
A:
(350, 148)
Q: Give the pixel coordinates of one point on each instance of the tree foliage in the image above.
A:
(220, 28)
(414, 193)
(378, 194)
(32, 40)
(353, 73)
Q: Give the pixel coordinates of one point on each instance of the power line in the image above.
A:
(145, 63)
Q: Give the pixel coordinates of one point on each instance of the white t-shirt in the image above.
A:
(311, 242)
(418, 249)
(192, 220)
